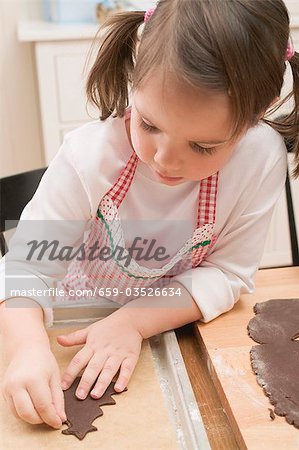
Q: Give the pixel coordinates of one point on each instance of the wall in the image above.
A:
(20, 128)
(293, 6)
(20, 131)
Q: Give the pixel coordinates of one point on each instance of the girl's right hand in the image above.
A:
(32, 386)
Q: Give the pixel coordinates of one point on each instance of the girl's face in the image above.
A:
(179, 132)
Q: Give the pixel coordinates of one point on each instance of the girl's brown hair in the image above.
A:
(235, 46)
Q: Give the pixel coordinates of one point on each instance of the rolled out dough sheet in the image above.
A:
(139, 420)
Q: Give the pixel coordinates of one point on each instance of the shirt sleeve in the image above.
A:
(58, 212)
(229, 270)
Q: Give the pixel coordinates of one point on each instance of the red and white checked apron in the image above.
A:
(106, 230)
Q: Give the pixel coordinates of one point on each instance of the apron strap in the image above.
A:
(118, 192)
(207, 200)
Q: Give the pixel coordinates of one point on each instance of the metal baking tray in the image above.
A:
(171, 371)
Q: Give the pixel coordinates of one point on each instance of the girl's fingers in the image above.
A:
(78, 363)
(127, 368)
(25, 409)
(11, 406)
(58, 397)
(108, 371)
(78, 337)
(89, 376)
(41, 397)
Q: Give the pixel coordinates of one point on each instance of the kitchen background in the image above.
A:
(21, 134)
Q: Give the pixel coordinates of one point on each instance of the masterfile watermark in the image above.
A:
(142, 250)
(98, 292)
(144, 241)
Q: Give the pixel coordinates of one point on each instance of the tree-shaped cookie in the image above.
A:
(276, 361)
(81, 413)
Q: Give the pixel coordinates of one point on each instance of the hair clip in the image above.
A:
(290, 51)
(148, 14)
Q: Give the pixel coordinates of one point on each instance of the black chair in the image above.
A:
(289, 142)
(292, 222)
(15, 192)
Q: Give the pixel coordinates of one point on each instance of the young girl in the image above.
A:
(191, 167)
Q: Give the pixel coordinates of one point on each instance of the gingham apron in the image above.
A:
(106, 230)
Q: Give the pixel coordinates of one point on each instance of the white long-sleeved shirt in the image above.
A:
(88, 164)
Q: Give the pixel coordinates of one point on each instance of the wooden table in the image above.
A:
(233, 421)
(201, 345)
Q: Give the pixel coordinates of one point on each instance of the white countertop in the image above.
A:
(37, 31)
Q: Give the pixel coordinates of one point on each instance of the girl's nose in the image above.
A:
(168, 160)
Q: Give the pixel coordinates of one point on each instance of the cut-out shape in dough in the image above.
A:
(276, 360)
(81, 413)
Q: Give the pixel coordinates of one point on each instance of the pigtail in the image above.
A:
(108, 81)
(288, 124)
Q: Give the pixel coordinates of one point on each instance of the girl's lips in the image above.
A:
(168, 178)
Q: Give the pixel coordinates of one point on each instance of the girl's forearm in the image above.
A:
(21, 323)
(154, 315)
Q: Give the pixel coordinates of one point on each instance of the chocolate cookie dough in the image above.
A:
(276, 361)
(81, 413)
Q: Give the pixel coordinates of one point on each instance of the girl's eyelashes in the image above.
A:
(204, 150)
(197, 148)
(145, 126)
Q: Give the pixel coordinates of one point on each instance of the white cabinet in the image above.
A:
(63, 57)
(61, 70)
(61, 61)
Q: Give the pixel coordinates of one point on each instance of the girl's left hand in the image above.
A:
(110, 344)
